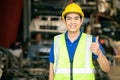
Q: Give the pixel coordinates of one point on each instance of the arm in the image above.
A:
(51, 73)
(51, 60)
(102, 60)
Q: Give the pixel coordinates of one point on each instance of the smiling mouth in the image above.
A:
(72, 26)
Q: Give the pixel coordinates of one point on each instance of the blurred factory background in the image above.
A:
(28, 26)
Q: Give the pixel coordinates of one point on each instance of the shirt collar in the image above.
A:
(66, 35)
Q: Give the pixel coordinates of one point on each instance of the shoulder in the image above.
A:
(87, 35)
(57, 36)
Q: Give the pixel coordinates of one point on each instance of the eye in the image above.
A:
(68, 18)
(77, 18)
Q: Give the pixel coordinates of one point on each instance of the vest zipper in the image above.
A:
(71, 70)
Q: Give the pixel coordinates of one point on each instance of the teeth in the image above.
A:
(72, 26)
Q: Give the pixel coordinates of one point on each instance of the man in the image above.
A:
(71, 53)
(33, 51)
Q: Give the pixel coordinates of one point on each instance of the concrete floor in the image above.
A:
(114, 73)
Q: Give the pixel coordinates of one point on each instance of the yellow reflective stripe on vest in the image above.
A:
(75, 70)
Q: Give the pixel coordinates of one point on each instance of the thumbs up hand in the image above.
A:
(95, 47)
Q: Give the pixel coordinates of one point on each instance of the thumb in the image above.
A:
(97, 39)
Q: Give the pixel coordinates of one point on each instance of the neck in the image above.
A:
(73, 35)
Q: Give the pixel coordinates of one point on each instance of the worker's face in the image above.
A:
(73, 22)
(38, 37)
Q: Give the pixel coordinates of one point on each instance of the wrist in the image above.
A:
(99, 53)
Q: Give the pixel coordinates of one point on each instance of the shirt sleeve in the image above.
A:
(102, 49)
(51, 54)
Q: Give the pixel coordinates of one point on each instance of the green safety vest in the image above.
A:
(83, 68)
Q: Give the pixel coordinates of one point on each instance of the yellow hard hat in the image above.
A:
(73, 7)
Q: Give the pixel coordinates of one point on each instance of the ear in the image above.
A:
(82, 20)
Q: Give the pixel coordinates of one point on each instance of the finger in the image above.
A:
(97, 39)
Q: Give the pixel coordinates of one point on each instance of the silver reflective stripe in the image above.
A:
(75, 70)
(57, 51)
(88, 44)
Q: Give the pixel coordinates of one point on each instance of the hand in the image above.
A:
(95, 47)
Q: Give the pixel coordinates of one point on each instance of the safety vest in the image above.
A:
(82, 66)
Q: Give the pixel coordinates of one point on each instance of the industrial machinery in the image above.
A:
(48, 24)
(14, 68)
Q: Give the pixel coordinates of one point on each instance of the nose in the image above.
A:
(72, 20)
